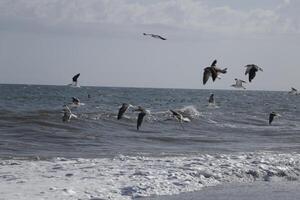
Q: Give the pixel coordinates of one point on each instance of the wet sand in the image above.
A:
(289, 190)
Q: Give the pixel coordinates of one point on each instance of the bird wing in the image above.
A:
(218, 70)
(259, 68)
(140, 119)
(174, 112)
(214, 73)
(248, 67)
(160, 37)
(67, 109)
(271, 117)
(213, 64)
(294, 89)
(252, 73)
(206, 75)
(75, 77)
(122, 110)
(239, 81)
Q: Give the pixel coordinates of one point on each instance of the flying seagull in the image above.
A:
(68, 115)
(212, 71)
(179, 116)
(155, 36)
(293, 91)
(141, 116)
(272, 115)
(238, 83)
(251, 69)
(75, 101)
(75, 80)
(211, 99)
(123, 109)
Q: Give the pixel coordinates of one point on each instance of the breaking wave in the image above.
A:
(127, 177)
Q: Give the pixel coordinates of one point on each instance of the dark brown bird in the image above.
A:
(179, 116)
(75, 77)
(251, 69)
(155, 36)
(212, 71)
(271, 116)
(140, 117)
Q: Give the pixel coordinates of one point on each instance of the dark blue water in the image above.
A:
(31, 122)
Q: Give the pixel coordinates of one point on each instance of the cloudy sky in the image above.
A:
(48, 41)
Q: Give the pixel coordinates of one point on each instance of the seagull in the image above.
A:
(238, 83)
(141, 116)
(212, 71)
(272, 115)
(294, 91)
(76, 101)
(67, 114)
(123, 109)
(74, 79)
(251, 69)
(211, 99)
(155, 36)
(179, 116)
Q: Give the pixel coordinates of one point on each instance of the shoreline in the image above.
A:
(126, 177)
(258, 190)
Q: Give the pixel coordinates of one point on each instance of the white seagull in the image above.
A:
(238, 83)
(294, 91)
(68, 115)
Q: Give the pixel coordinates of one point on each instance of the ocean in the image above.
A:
(231, 141)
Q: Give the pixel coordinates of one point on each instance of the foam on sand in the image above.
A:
(125, 177)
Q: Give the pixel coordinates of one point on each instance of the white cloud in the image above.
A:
(183, 14)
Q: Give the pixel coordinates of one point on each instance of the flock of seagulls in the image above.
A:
(212, 71)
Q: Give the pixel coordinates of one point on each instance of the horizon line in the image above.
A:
(138, 87)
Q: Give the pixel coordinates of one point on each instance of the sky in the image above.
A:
(49, 41)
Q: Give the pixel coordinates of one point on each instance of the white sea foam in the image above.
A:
(125, 177)
(190, 111)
